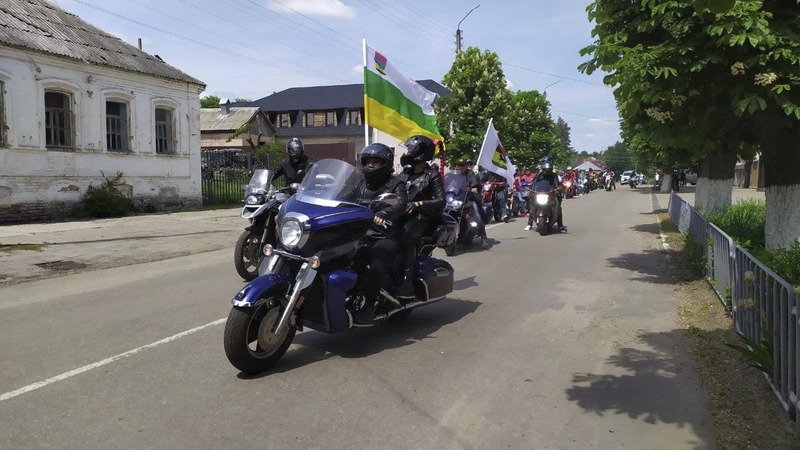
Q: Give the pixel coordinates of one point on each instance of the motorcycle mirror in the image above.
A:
(295, 186)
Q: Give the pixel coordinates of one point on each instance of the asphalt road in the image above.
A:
(561, 341)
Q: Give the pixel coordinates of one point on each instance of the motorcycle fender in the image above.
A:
(541, 212)
(258, 288)
(247, 214)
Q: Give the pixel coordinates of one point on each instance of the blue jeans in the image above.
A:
(501, 198)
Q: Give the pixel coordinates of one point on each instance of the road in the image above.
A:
(562, 341)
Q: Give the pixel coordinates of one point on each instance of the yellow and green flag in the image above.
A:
(394, 103)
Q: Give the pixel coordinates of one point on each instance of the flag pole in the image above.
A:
(366, 125)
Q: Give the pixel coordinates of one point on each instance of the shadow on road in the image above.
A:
(136, 238)
(652, 264)
(654, 390)
(361, 342)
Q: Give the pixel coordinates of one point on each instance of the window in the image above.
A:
(58, 120)
(282, 120)
(164, 142)
(116, 126)
(2, 115)
(355, 117)
(321, 119)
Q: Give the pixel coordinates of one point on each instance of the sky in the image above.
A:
(253, 48)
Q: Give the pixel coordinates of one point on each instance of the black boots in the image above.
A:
(405, 290)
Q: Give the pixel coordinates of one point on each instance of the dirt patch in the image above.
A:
(62, 265)
(745, 412)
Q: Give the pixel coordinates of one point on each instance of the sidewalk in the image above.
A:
(69, 247)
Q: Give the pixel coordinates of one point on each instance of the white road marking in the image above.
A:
(86, 368)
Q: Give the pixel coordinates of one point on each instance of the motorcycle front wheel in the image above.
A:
(542, 225)
(249, 342)
(247, 255)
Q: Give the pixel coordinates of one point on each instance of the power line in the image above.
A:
(423, 13)
(554, 75)
(420, 27)
(605, 119)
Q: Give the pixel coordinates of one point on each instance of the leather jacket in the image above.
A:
(293, 171)
(363, 193)
(426, 187)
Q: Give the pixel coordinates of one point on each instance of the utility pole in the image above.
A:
(458, 29)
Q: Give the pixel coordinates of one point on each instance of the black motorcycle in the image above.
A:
(262, 202)
(460, 208)
(545, 206)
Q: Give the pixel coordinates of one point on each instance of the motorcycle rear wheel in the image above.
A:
(249, 344)
(247, 255)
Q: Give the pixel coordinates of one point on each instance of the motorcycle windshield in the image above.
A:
(330, 182)
(456, 183)
(543, 186)
(260, 182)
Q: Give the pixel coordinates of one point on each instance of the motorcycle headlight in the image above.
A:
(542, 199)
(455, 204)
(291, 232)
(487, 187)
(254, 199)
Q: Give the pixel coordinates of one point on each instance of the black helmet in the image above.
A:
(294, 148)
(378, 174)
(418, 149)
(547, 163)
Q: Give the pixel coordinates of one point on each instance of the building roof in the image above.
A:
(40, 26)
(590, 163)
(349, 96)
(212, 119)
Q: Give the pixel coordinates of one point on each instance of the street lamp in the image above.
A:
(544, 92)
(458, 29)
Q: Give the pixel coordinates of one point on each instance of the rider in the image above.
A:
(549, 174)
(296, 164)
(499, 185)
(425, 204)
(379, 246)
(474, 185)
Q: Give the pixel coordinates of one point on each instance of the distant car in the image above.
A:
(691, 177)
(626, 176)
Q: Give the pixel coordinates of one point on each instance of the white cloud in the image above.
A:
(321, 8)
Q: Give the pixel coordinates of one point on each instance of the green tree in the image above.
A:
(209, 101)
(528, 131)
(707, 79)
(479, 90)
(563, 147)
(618, 157)
(242, 100)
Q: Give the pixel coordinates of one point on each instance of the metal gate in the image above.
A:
(225, 173)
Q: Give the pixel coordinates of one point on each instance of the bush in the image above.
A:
(104, 201)
(743, 221)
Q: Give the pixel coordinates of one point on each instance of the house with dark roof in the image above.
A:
(219, 125)
(326, 116)
(77, 105)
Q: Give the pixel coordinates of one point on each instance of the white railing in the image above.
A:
(761, 303)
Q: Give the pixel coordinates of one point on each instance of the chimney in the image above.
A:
(225, 107)
(140, 43)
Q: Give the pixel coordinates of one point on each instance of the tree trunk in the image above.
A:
(780, 157)
(715, 182)
(748, 167)
(666, 184)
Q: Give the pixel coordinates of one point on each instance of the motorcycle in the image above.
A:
(569, 189)
(633, 182)
(607, 182)
(491, 202)
(311, 279)
(461, 210)
(262, 202)
(522, 198)
(545, 206)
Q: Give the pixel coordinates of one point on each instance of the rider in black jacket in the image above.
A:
(425, 204)
(550, 174)
(379, 246)
(296, 164)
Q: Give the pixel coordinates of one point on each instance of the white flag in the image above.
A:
(493, 156)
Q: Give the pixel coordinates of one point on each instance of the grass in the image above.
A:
(8, 248)
(744, 410)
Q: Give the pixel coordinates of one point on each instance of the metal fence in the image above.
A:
(762, 304)
(226, 172)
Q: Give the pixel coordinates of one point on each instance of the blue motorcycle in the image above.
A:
(313, 279)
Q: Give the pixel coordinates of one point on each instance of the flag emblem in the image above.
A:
(499, 158)
(380, 63)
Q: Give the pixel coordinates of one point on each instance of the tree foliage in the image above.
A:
(209, 101)
(562, 150)
(479, 90)
(528, 131)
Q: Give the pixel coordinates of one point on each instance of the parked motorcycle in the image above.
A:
(545, 206)
(460, 208)
(310, 279)
(262, 202)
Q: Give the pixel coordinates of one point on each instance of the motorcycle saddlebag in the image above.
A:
(434, 278)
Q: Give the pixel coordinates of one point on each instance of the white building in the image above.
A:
(78, 105)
